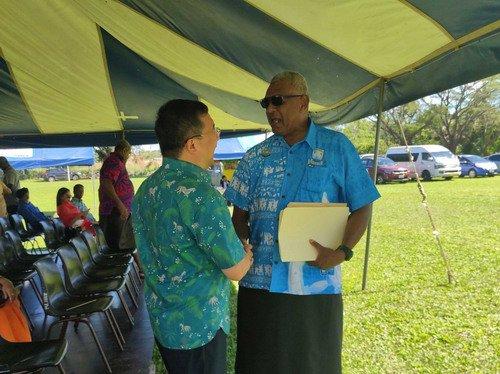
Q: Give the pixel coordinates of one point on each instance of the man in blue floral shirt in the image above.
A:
(290, 314)
(187, 244)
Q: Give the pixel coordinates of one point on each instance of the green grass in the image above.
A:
(410, 320)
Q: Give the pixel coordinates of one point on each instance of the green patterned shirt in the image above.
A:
(185, 236)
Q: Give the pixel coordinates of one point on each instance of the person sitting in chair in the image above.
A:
(69, 214)
(30, 212)
(13, 324)
(77, 200)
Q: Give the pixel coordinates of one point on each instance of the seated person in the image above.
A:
(77, 201)
(13, 324)
(30, 213)
(69, 214)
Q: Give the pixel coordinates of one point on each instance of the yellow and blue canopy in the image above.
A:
(83, 72)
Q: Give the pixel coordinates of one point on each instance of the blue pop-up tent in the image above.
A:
(235, 148)
(28, 158)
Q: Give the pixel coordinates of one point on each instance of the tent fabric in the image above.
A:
(49, 157)
(102, 68)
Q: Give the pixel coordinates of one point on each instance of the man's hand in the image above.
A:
(7, 289)
(327, 257)
(123, 212)
(247, 247)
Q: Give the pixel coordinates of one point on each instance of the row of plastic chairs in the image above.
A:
(53, 232)
(17, 264)
(91, 272)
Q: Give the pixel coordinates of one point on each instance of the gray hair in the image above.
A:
(297, 80)
(122, 145)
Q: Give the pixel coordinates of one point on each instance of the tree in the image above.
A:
(362, 134)
(102, 152)
(465, 118)
(408, 117)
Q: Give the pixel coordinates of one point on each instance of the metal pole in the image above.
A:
(93, 187)
(374, 178)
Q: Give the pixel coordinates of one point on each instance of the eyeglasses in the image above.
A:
(276, 100)
(216, 130)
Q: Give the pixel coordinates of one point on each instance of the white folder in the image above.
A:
(323, 222)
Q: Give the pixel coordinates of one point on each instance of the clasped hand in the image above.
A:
(327, 257)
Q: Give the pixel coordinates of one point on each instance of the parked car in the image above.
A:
(431, 161)
(387, 170)
(495, 157)
(473, 166)
(60, 174)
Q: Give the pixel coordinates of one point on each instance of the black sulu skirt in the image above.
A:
(287, 334)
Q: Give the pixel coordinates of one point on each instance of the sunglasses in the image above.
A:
(276, 100)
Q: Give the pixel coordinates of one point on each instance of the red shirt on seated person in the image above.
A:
(69, 213)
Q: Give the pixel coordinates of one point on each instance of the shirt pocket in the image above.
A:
(316, 184)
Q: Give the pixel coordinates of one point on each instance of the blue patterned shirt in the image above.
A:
(82, 207)
(185, 238)
(324, 167)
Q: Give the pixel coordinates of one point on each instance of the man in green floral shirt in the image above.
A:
(187, 244)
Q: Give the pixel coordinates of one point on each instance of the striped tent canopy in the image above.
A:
(85, 72)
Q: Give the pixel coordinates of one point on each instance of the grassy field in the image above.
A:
(410, 320)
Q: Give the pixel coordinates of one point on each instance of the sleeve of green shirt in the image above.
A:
(215, 233)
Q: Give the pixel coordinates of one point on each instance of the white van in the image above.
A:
(431, 161)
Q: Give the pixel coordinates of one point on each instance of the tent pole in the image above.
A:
(93, 187)
(374, 178)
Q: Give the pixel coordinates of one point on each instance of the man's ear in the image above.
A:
(304, 103)
(190, 146)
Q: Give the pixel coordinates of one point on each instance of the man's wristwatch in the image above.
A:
(347, 251)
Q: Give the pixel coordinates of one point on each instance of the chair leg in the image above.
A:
(136, 271)
(112, 315)
(60, 368)
(37, 292)
(64, 329)
(131, 295)
(134, 284)
(101, 351)
(125, 307)
(118, 340)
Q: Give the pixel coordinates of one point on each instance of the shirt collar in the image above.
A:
(311, 134)
(173, 164)
(310, 138)
(116, 155)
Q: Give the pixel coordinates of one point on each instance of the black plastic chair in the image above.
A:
(63, 233)
(106, 251)
(78, 284)
(50, 237)
(93, 270)
(118, 260)
(15, 270)
(31, 357)
(4, 225)
(100, 272)
(67, 308)
(18, 226)
(21, 253)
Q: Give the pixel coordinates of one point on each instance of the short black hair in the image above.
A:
(178, 120)
(77, 186)
(20, 193)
